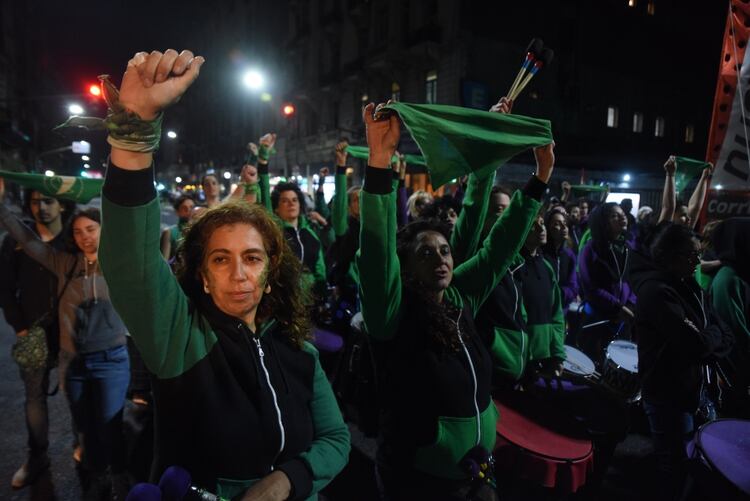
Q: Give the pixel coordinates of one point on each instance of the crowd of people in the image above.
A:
(468, 301)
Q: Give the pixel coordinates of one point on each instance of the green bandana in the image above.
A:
(77, 189)
(687, 169)
(127, 131)
(456, 141)
(584, 189)
(264, 152)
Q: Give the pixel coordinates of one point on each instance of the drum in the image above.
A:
(723, 447)
(620, 370)
(327, 341)
(577, 366)
(543, 449)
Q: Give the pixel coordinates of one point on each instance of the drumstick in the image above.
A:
(601, 322)
(532, 52)
(547, 55)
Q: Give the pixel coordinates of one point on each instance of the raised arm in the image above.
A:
(378, 264)
(264, 177)
(42, 253)
(695, 205)
(668, 196)
(340, 198)
(480, 274)
(143, 289)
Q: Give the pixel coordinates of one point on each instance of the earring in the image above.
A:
(205, 288)
(267, 290)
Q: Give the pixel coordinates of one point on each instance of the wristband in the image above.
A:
(264, 152)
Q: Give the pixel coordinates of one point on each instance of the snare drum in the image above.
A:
(577, 366)
(620, 372)
(528, 447)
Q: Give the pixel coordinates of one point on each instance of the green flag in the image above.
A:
(77, 189)
(363, 152)
(687, 169)
(456, 141)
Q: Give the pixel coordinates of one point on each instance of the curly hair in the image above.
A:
(282, 187)
(433, 316)
(440, 206)
(288, 302)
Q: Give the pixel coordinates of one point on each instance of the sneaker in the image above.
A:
(28, 473)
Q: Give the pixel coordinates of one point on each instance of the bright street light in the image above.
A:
(75, 109)
(626, 178)
(49, 173)
(171, 134)
(86, 166)
(253, 79)
(718, 187)
(227, 174)
(178, 179)
(85, 158)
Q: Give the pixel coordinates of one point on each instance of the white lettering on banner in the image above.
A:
(728, 205)
(733, 165)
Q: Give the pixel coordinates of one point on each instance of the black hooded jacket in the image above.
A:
(671, 352)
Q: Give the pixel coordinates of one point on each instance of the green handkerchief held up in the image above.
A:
(78, 189)
(457, 141)
(687, 169)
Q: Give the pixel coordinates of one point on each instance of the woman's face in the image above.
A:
(537, 236)
(235, 270)
(584, 207)
(681, 215)
(574, 215)
(185, 210)
(617, 222)
(211, 186)
(558, 229)
(431, 263)
(86, 234)
(449, 217)
(288, 207)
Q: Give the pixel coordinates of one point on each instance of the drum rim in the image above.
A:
(546, 456)
(699, 448)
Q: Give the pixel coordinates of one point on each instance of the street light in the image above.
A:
(178, 179)
(49, 173)
(253, 79)
(227, 174)
(171, 134)
(85, 158)
(86, 166)
(75, 109)
(626, 178)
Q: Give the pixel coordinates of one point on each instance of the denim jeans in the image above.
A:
(96, 385)
(36, 384)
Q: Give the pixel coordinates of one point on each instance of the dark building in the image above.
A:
(632, 81)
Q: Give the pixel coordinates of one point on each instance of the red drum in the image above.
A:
(541, 452)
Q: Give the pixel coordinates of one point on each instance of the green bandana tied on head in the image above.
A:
(77, 189)
(457, 141)
(687, 169)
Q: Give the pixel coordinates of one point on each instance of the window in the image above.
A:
(638, 122)
(395, 92)
(612, 117)
(431, 87)
(659, 127)
(689, 133)
(651, 8)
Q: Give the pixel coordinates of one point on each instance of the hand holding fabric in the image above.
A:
(383, 132)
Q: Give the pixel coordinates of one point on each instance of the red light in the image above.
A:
(288, 110)
(95, 90)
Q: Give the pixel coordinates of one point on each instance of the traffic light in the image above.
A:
(95, 90)
(288, 110)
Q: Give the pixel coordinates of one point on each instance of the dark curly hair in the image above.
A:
(436, 318)
(282, 187)
(670, 240)
(288, 302)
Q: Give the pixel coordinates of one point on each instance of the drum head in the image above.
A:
(624, 354)
(576, 362)
(725, 444)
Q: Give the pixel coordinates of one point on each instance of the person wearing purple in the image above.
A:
(560, 256)
(603, 266)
